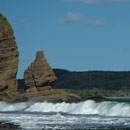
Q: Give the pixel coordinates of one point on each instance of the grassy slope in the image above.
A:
(100, 93)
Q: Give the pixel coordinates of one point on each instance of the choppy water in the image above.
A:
(84, 115)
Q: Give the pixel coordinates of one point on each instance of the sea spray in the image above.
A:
(83, 115)
(86, 107)
(4, 106)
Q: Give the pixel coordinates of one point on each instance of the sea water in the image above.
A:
(87, 115)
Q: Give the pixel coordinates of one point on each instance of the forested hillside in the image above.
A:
(108, 80)
(92, 79)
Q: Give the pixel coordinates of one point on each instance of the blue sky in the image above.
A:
(78, 35)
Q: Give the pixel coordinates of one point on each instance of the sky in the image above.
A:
(77, 35)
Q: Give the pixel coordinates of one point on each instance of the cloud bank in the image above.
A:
(77, 17)
(96, 1)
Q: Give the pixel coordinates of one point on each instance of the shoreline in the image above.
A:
(95, 98)
(111, 99)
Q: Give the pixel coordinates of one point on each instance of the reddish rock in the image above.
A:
(39, 73)
(38, 77)
(8, 57)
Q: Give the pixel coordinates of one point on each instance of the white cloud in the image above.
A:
(71, 17)
(77, 17)
(96, 1)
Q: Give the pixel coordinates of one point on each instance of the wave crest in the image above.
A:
(86, 107)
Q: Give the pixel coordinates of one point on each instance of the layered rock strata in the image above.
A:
(38, 79)
(8, 57)
(39, 74)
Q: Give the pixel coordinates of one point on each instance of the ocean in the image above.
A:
(87, 115)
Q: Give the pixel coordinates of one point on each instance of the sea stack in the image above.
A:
(38, 77)
(39, 74)
(8, 57)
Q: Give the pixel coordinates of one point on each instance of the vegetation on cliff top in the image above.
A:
(4, 21)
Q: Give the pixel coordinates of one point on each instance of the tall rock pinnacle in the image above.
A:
(8, 57)
(39, 73)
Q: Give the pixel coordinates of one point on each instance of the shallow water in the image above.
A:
(84, 115)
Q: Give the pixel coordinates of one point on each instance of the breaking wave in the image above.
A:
(86, 107)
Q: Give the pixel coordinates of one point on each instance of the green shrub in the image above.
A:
(100, 92)
(4, 21)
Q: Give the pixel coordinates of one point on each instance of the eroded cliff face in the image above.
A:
(8, 57)
(39, 74)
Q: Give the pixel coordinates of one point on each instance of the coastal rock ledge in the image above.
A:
(38, 79)
(38, 76)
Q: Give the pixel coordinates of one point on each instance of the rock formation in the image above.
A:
(39, 74)
(38, 77)
(8, 57)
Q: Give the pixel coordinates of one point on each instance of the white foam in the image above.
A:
(86, 107)
(4, 106)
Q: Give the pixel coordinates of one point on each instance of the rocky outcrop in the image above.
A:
(53, 95)
(38, 78)
(39, 74)
(8, 57)
(8, 126)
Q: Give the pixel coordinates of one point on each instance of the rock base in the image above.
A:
(49, 95)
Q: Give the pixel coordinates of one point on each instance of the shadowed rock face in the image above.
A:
(8, 57)
(39, 73)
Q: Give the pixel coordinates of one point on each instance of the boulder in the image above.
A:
(8, 57)
(39, 73)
